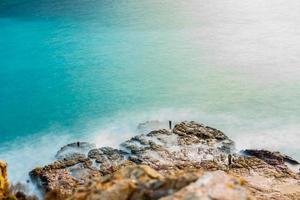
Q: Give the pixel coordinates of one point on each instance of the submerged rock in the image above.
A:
(72, 150)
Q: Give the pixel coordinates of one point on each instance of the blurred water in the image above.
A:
(92, 70)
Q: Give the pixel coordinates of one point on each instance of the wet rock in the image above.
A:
(186, 146)
(272, 158)
(108, 158)
(106, 154)
(199, 130)
(64, 176)
(158, 164)
(72, 150)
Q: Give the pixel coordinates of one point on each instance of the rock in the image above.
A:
(4, 184)
(108, 158)
(265, 181)
(213, 185)
(273, 158)
(134, 182)
(162, 162)
(74, 149)
(199, 130)
(186, 146)
(64, 176)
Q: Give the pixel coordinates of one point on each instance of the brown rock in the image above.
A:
(134, 182)
(273, 158)
(64, 176)
(158, 164)
(213, 185)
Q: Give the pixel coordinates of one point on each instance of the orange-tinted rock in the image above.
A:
(4, 184)
(213, 185)
(134, 182)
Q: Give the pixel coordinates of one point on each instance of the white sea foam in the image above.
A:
(24, 154)
(284, 139)
(27, 153)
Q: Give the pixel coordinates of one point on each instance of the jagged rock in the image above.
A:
(106, 154)
(64, 176)
(157, 164)
(265, 181)
(70, 151)
(186, 146)
(273, 158)
(134, 182)
(213, 185)
(4, 184)
(199, 130)
(108, 158)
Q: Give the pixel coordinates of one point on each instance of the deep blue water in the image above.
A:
(92, 70)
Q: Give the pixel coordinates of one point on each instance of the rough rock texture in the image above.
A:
(165, 164)
(272, 158)
(186, 146)
(73, 150)
(264, 180)
(213, 185)
(4, 185)
(64, 176)
(107, 159)
(134, 182)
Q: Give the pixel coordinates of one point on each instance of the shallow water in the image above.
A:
(93, 70)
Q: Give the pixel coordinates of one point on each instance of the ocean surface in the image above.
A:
(92, 70)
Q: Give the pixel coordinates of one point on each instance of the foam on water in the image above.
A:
(97, 69)
(24, 154)
(284, 139)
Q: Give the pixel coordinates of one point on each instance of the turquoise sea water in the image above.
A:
(93, 70)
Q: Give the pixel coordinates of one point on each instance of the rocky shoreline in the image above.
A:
(190, 161)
